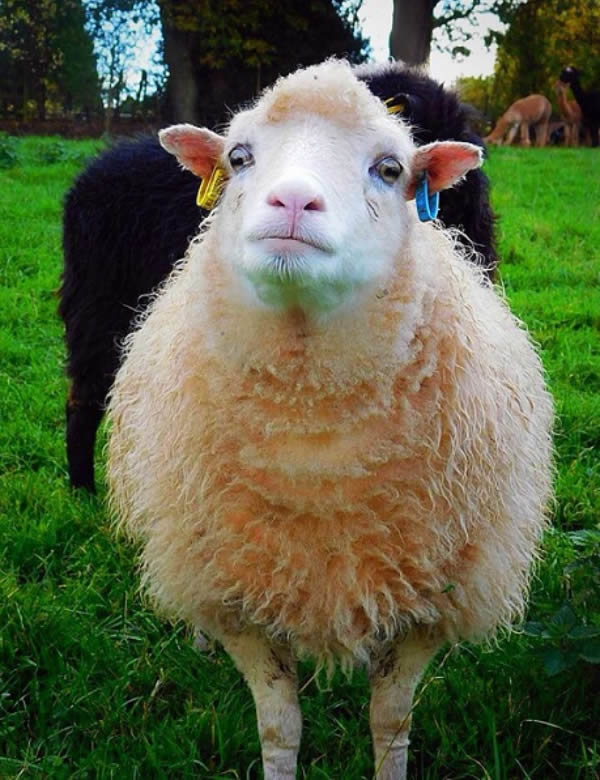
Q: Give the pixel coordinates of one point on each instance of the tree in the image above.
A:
(544, 37)
(573, 38)
(77, 77)
(412, 28)
(222, 53)
(118, 28)
(519, 61)
(28, 35)
(414, 22)
(47, 52)
(478, 91)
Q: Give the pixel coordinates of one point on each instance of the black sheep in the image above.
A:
(128, 217)
(589, 102)
(131, 214)
(436, 114)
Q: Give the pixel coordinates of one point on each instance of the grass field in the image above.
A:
(92, 684)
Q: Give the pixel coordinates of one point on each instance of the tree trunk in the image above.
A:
(117, 95)
(412, 27)
(108, 112)
(40, 100)
(181, 87)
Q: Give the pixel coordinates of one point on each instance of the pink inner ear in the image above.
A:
(197, 149)
(445, 163)
(448, 164)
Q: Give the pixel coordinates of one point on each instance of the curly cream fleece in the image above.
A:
(334, 482)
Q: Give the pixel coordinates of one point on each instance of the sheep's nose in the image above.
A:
(295, 198)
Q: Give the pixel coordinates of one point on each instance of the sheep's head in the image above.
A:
(318, 178)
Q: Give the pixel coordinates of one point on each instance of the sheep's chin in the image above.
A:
(309, 279)
(305, 292)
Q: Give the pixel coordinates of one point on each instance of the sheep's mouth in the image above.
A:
(283, 242)
(289, 245)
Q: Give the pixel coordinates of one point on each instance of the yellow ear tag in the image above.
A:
(394, 105)
(210, 189)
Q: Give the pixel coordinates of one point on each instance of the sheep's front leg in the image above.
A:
(270, 671)
(394, 677)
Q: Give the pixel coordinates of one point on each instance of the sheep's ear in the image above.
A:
(197, 149)
(445, 162)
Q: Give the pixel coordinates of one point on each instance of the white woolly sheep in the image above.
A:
(130, 215)
(330, 438)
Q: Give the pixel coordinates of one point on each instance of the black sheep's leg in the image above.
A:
(83, 419)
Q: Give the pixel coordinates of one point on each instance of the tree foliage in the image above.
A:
(544, 37)
(234, 47)
(214, 52)
(46, 56)
(458, 21)
(254, 33)
(478, 91)
(120, 28)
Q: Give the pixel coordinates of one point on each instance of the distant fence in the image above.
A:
(77, 128)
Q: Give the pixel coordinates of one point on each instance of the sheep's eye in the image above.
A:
(388, 170)
(240, 157)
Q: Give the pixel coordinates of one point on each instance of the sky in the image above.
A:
(376, 18)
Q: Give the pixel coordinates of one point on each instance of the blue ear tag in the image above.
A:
(427, 205)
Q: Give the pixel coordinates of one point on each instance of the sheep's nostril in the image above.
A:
(316, 204)
(295, 199)
(273, 200)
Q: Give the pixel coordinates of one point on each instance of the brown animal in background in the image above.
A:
(570, 112)
(530, 111)
(588, 101)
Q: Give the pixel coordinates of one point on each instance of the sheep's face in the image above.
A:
(315, 213)
(315, 209)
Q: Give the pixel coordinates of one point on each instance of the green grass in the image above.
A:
(93, 684)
